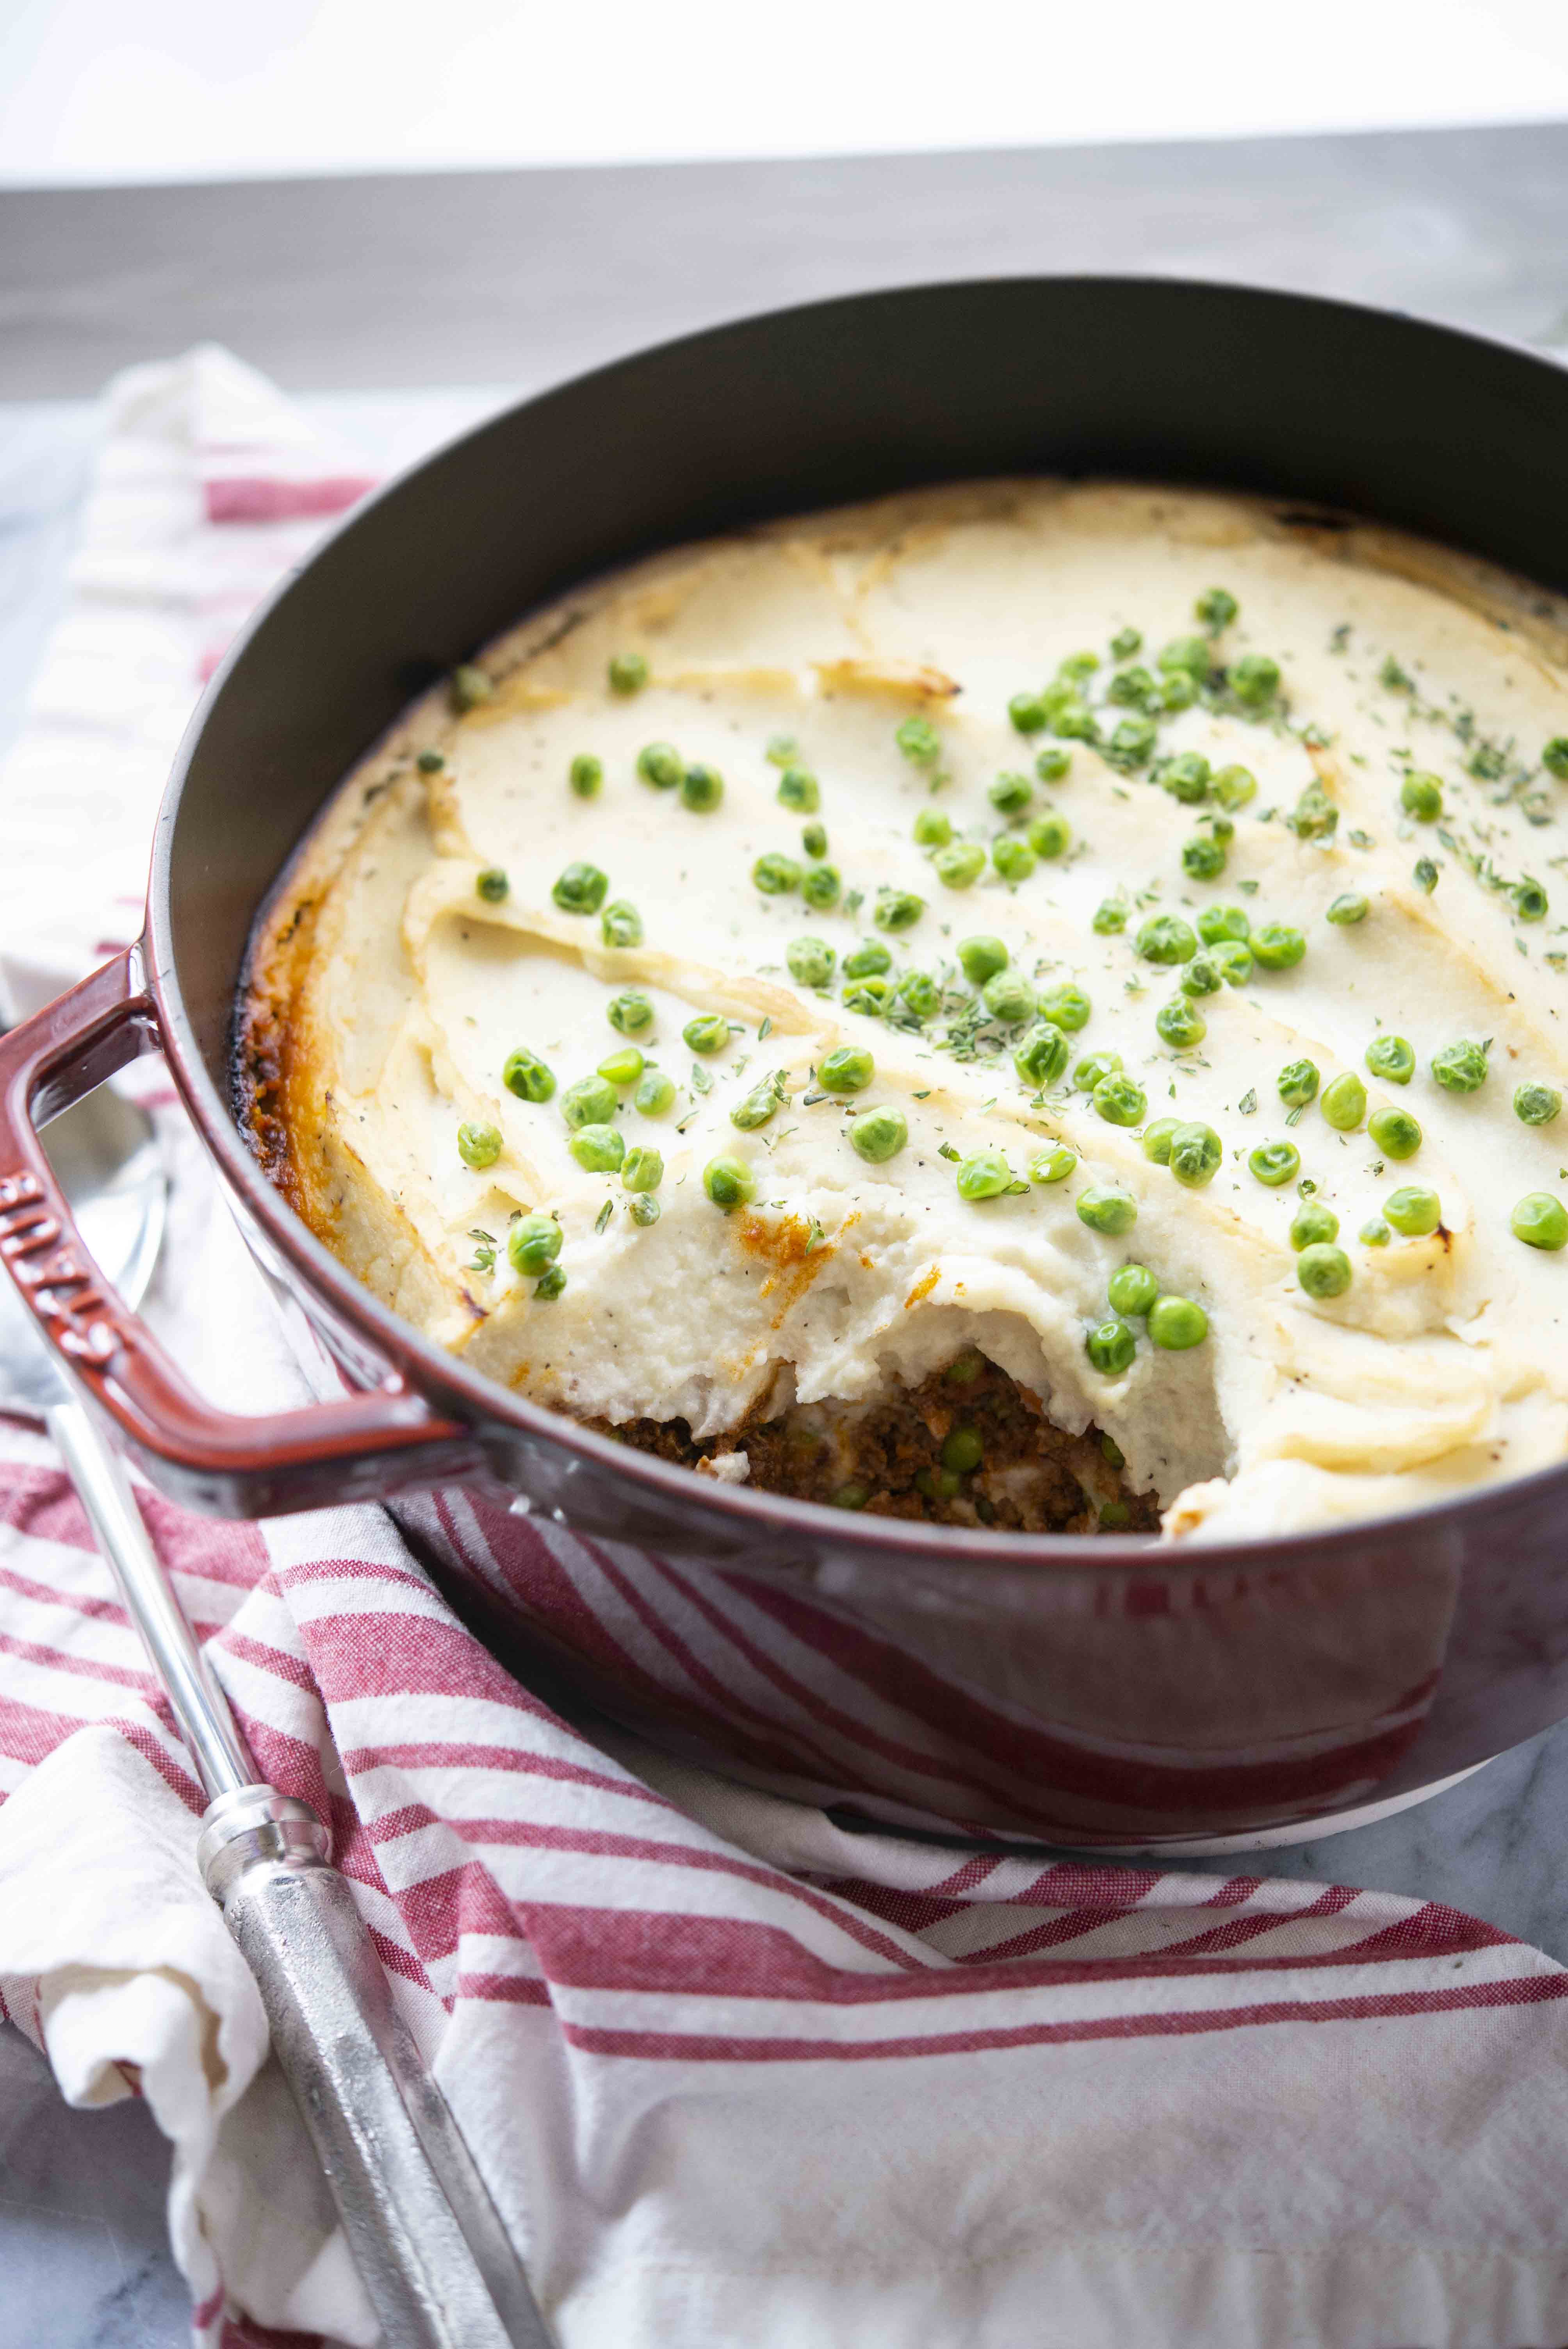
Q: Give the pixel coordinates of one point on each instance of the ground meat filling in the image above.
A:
(968, 1447)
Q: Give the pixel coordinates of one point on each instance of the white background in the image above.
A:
(94, 90)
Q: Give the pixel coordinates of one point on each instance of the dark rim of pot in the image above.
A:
(448, 1382)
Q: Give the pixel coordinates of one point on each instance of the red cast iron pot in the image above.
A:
(1095, 1691)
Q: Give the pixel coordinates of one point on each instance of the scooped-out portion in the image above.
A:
(1034, 1004)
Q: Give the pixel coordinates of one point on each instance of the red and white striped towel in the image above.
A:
(734, 2076)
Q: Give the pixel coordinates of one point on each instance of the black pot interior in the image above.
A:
(1460, 439)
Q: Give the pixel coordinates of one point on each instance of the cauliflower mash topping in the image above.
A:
(1097, 940)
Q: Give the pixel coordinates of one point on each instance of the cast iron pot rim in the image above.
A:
(475, 1399)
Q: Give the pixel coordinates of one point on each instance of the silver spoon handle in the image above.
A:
(427, 2242)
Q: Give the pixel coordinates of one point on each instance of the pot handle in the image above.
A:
(368, 1444)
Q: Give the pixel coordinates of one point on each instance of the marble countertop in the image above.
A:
(1465, 224)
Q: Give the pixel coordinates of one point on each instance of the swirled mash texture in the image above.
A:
(398, 990)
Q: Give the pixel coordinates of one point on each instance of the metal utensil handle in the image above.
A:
(424, 2233)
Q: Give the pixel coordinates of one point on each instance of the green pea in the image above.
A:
(656, 1093)
(959, 864)
(1111, 1348)
(492, 885)
(586, 775)
(581, 889)
(1125, 643)
(985, 1175)
(932, 828)
(776, 875)
(1176, 1322)
(1348, 907)
(963, 1449)
(623, 1067)
(1234, 787)
(526, 1075)
(1180, 1024)
(1133, 689)
(1076, 720)
(660, 763)
(810, 961)
(1530, 901)
(1315, 815)
(1216, 608)
(1010, 794)
(1093, 1067)
(598, 1148)
(1177, 693)
(879, 1135)
(1421, 795)
(1313, 1225)
(620, 924)
(1167, 939)
(1323, 1270)
(814, 840)
(549, 1285)
(867, 961)
(1109, 917)
(1414, 1210)
(1555, 757)
(534, 1244)
(470, 688)
(1009, 998)
(822, 885)
(643, 1168)
(1218, 924)
(1536, 1104)
(709, 1032)
(1424, 874)
(1078, 666)
(1119, 1100)
(1132, 744)
(430, 762)
(1460, 1068)
(591, 1101)
(1106, 1209)
(870, 997)
(1539, 1220)
(1396, 1133)
(1013, 859)
(852, 1496)
(1027, 712)
(628, 673)
(1203, 859)
(1344, 1102)
(755, 1108)
(1132, 1289)
(798, 789)
(702, 788)
(729, 1182)
(1298, 1083)
(1042, 1055)
(1201, 976)
(921, 992)
(1392, 1057)
(1195, 1155)
(1374, 1233)
(1278, 946)
(919, 741)
(1274, 1162)
(1157, 1139)
(1049, 835)
(1053, 762)
(479, 1145)
(630, 1012)
(1255, 680)
(981, 958)
(1222, 828)
(1189, 655)
(1066, 1007)
(1187, 778)
(847, 1068)
(1234, 961)
(782, 750)
(1053, 1165)
(897, 909)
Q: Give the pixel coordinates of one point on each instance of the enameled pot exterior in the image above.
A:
(1097, 1691)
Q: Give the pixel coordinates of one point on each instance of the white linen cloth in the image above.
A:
(733, 2076)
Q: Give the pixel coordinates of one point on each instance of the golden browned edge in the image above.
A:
(896, 1444)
